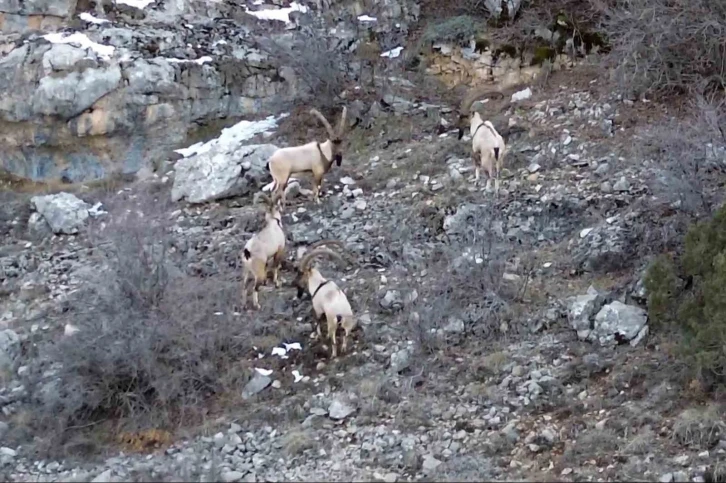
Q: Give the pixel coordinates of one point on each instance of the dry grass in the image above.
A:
(700, 428)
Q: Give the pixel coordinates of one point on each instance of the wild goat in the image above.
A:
(267, 245)
(488, 146)
(312, 157)
(327, 298)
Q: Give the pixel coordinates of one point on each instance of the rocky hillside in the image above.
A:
(499, 337)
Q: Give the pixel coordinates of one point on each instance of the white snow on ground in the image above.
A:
(366, 18)
(142, 4)
(91, 19)
(103, 51)
(282, 14)
(200, 60)
(393, 53)
(233, 135)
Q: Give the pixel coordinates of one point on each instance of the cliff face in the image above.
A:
(114, 95)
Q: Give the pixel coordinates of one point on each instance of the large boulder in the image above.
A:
(223, 171)
(581, 309)
(606, 324)
(64, 212)
(619, 321)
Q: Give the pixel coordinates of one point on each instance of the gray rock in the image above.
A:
(64, 212)
(68, 96)
(430, 463)
(9, 349)
(581, 310)
(666, 478)
(105, 477)
(4, 428)
(454, 326)
(5, 451)
(224, 171)
(400, 360)
(617, 318)
(38, 228)
(231, 476)
(622, 184)
(56, 8)
(255, 385)
(340, 409)
(392, 300)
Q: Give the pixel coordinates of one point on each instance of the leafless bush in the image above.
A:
(154, 343)
(700, 427)
(688, 153)
(666, 46)
(316, 60)
(465, 286)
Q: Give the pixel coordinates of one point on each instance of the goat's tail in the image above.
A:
(496, 153)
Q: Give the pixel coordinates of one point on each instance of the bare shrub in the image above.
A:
(662, 47)
(687, 154)
(316, 60)
(642, 443)
(465, 285)
(154, 343)
(699, 428)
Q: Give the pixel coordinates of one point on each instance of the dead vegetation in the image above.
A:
(153, 343)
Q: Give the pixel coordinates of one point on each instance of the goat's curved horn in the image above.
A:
(325, 122)
(320, 243)
(476, 94)
(264, 198)
(305, 261)
(341, 125)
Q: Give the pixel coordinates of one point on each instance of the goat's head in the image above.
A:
(471, 105)
(272, 209)
(305, 269)
(336, 138)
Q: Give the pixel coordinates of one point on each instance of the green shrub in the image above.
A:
(689, 294)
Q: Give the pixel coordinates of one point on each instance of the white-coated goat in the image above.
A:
(487, 145)
(487, 150)
(327, 298)
(313, 157)
(266, 247)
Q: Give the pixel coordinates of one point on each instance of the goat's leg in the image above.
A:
(475, 160)
(256, 294)
(332, 329)
(245, 278)
(348, 326)
(318, 183)
(276, 261)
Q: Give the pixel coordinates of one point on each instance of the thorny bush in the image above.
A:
(662, 47)
(153, 342)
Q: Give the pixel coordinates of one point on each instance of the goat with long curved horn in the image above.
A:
(327, 298)
(314, 157)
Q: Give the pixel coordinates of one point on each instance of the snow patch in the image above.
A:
(87, 17)
(282, 14)
(199, 61)
(298, 377)
(393, 53)
(366, 18)
(233, 135)
(103, 51)
(263, 372)
(140, 4)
